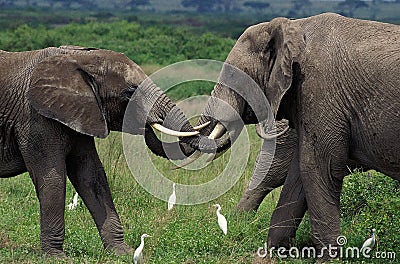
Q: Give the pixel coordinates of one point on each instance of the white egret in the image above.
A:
(370, 242)
(74, 204)
(172, 198)
(223, 224)
(138, 255)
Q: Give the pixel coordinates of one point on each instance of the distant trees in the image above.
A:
(207, 6)
(299, 8)
(257, 5)
(6, 3)
(348, 7)
(200, 5)
(131, 4)
(89, 4)
(84, 3)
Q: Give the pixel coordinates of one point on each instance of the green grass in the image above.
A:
(187, 234)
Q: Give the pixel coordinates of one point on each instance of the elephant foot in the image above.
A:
(120, 249)
(280, 238)
(53, 253)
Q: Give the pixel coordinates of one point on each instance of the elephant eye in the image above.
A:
(127, 93)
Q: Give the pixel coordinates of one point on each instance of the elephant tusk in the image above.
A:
(201, 126)
(190, 160)
(216, 133)
(173, 132)
(267, 136)
(218, 130)
(216, 156)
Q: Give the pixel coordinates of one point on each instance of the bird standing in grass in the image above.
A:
(172, 198)
(138, 255)
(74, 204)
(370, 242)
(223, 224)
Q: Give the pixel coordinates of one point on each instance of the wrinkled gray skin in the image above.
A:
(53, 102)
(336, 80)
(284, 170)
(266, 177)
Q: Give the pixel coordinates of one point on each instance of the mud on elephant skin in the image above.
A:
(53, 103)
(336, 81)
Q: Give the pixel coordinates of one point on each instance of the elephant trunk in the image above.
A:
(223, 110)
(164, 112)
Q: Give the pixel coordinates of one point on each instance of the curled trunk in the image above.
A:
(165, 112)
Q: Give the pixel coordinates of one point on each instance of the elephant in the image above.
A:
(53, 102)
(335, 79)
(265, 177)
(270, 174)
(284, 170)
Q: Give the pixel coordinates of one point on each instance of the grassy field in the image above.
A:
(187, 234)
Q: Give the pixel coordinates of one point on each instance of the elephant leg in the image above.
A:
(322, 169)
(88, 177)
(48, 174)
(261, 182)
(266, 175)
(290, 210)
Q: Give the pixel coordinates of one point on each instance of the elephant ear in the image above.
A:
(285, 45)
(61, 89)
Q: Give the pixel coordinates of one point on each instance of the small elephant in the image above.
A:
(53, 102)
(336, 80)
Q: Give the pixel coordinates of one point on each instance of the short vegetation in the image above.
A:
(187, 234)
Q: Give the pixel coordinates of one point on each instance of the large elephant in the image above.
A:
(336, 80)
(53, 102)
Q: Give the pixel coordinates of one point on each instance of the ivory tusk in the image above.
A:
(201, 126)
(218, 130)
(267, 136)
(190, 160)
(173, 132)
(216, 156)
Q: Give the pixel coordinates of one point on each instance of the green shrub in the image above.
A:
(371, 200)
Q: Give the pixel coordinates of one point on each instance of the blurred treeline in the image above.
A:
(378, 9)
(159, 45)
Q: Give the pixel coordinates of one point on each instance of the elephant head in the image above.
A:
(88, 90)
(268, 54)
